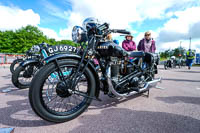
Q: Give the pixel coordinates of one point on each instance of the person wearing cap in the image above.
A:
(147, 44)
(129, 44)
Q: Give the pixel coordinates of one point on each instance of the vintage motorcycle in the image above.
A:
(65, 96)
(24, 72)
(22, 76)
(16, 62)
(173, 63)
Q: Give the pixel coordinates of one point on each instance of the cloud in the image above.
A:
(120, 14)
(66, 33)
(184, 43)
(186, 24)
(50, 33)
(54, 10)
(14, 18)
(194, 30)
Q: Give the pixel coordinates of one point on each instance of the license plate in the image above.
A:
(61, 49)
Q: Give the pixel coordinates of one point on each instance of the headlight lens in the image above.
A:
(79, 34)
(35, 49)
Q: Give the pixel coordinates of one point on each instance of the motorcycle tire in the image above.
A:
(37, 100)
(14, 64)
(17, 75)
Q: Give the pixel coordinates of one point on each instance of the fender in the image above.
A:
(29, 61)
(77, 57)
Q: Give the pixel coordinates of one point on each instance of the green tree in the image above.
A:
(19, 41)
(175, 52)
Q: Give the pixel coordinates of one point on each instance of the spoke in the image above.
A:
(66, 105)
(59, 104)
(52, 99)
(77, 98)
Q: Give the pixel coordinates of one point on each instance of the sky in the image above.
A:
(171, 22)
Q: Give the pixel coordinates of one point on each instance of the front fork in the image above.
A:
(75, 77)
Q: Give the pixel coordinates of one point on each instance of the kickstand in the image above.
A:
(148, 93)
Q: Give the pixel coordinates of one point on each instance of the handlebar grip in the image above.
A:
(123, 31)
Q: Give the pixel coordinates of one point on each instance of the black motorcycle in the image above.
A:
(64, 88)
(17, 61)
(22, 76)
(174, 63)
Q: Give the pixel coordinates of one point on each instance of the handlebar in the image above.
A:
(120, 31)
(105, 26)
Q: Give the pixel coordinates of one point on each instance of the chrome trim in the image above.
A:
(148, 85)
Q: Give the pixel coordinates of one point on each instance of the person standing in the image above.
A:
(190, 55)
(128, 44)
(147, 44)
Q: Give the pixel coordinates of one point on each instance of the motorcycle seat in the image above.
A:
(137, 54)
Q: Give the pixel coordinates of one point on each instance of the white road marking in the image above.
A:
(161, 88)
(198, 88)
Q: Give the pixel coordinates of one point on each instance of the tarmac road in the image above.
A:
(176, 109)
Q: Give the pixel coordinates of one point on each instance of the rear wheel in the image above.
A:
(55, 101)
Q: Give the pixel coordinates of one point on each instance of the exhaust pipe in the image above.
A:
(147, 86)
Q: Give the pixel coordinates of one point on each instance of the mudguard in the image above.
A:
(77, 57)
(29, 61)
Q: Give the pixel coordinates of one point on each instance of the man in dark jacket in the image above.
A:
(147, 44)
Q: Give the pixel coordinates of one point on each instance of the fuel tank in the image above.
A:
(111, 49)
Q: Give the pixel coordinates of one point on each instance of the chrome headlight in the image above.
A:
(79, 34)
(35, 49)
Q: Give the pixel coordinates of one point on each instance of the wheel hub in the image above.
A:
(62, 89)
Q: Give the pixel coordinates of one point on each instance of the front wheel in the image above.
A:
(22, 76)
(53, 99)
(14, 64)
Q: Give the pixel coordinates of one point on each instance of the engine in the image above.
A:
(124, 75)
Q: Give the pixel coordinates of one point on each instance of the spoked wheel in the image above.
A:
(53, 99)
(23, 76)
(15, 64)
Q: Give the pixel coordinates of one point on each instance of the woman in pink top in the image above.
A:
(129, 44)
